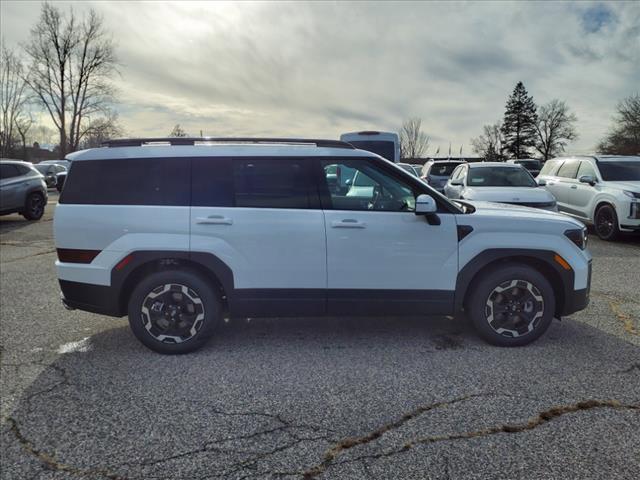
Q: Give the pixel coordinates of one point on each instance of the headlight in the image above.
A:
(578, 236)
(631, 194)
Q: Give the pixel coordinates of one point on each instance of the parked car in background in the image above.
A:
(602, 190)
(210, 248)
(412, 169)
(437, 172)
(22, 189)
(385, 144)
(50, 172)
(533, 165)
(65, 163)
(498, 182)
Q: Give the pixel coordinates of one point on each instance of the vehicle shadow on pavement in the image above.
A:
(276, 395)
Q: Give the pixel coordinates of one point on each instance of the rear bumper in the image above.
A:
(90, 298)
(577, 300)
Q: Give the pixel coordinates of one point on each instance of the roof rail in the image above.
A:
(138, 142)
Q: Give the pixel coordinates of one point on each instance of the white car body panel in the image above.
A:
(538, 230)
(390, 250)
(265, 247)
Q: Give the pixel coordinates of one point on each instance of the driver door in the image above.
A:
(382, 259)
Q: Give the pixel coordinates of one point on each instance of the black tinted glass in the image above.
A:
(139, 181)
(8, 171)
(384, 149)
(442, 169)
(271, 183)
(500, 177)
(620, 171)
(212, 181)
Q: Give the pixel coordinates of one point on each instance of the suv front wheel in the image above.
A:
(511, 305)
(606, 223)
(174, 311)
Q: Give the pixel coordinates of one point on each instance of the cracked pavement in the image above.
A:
(336, 398)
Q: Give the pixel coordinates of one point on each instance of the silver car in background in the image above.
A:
(437, 172)
(22, 190)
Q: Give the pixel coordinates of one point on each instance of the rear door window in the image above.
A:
(8, 170)
(569, 169)
(586, 169)
(272, 182)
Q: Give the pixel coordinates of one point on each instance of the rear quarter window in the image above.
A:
(139, 181)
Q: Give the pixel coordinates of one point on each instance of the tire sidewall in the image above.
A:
(27, 207)
(616, 229)
(485, 285)
(196, 282)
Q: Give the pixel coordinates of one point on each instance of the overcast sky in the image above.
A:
(320, 69)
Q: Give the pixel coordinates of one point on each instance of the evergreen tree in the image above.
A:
(519, 125)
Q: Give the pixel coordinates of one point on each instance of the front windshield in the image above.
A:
(500, 177)
(620, 171)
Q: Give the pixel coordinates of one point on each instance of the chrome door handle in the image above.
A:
(348, 223)
(214, 220)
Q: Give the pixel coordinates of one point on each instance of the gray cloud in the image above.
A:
(319, 69)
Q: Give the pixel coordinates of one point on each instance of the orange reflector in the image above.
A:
(124, 262)
(563, 263)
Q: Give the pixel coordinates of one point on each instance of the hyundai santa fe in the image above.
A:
(181, 233)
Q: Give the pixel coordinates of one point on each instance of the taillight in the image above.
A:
(71, 255)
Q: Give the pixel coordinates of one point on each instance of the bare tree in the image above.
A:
(23, 124)
(72, 62)
(624, 137)
(489, 144)
(101, 130)
(13, 99)
(413, 141)
(178, 131)
(555, 128)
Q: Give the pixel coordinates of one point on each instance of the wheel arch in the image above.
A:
(540, 260)
(140, 264)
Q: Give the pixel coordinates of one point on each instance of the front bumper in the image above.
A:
(577, 300)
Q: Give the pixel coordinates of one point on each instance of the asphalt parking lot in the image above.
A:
(338, 398)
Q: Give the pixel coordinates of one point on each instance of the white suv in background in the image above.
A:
(179, 233)
(603, 191)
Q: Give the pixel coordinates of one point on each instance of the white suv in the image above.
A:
(180, 233)
(603, 191)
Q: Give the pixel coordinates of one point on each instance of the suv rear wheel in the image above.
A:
(606, 223)
(511, 305)
(174, 311)
(34, 206)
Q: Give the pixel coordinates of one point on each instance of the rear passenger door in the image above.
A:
(262, 217)
(9, 186)
(564, 184)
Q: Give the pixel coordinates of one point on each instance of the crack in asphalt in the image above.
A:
(632, 367)
(628, 321)
(50, 462)
(12, 260)
(534, 422)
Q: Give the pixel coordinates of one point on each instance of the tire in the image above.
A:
(525, 296)
(34, 206)
(605, 223)
(156, 311)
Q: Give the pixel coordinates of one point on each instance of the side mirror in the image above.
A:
(425, 205)
(457, 182)
(588, 179)
(542, 182)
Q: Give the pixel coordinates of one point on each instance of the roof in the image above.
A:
(494, 164)
(13, 162)
(216, 150)
(448, 160)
